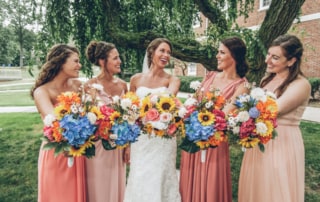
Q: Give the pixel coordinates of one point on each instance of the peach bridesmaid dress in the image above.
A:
(277, 174)
(209, 180)
(105, 172)
(57, 181)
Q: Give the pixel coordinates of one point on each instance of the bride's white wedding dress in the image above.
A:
(152, 176)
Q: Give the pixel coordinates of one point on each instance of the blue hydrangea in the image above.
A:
(254, 112)
(76, 130)
(125, 132)
(195, 131)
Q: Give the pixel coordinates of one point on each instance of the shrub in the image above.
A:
(185, 83)
(315, 86)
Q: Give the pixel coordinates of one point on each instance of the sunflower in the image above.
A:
(165, 104)
(159, 133)
(114, 116)
(206, 118)
(249, 142)
(97, 112)
(60, 111)
(146, 105)
(77, 151)
(203, 144)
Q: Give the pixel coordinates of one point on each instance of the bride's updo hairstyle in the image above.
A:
(56, 57)
(153, 46)
(97, 50)
(292, 48)
(238, 52)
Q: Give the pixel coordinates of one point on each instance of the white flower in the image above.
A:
(165, 117)
(271, 94)
(88, 98)
(125, 117)
(49, 119)
(236, 130)
(92, 117)
(182, 112)
(258, 94)
(209, 104)
(243, 116)
(195, 85)
(96, 86)
(158, 125)
(113, 136)
(261, 128)
(134, 108)
(125, 103)
(74, 108)
(232, 122)
(190, 102)
(244, 98)
(115, 99)
(154, 99)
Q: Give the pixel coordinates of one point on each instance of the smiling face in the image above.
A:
(277, 62)
(113, 62)
(72, 66)
(224, 58)
(161, 55)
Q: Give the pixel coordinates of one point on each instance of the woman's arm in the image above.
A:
(294, 96)
(43, 101)
(174, 85)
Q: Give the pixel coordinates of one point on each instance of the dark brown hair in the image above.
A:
(153, 46)
(238, 52)
(97, 50)
(292, 48)
(56, 57)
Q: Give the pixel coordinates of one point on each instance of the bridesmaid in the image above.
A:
(56, 181)
(211, 180)
(277, 174)
(106, 171)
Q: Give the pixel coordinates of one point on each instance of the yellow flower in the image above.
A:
(77, 151)
(249, 142)
(165, 104)
(97, 112)
(269, 128)
(203, 144)
(146, 105)
(60, 111)
(114, 116)
(206, 118)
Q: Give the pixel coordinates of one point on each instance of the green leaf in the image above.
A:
(189, 146)
(106, 145)
(261, 147)
(90, 152)
(274, 134)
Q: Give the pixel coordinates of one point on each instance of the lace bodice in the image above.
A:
(152, 174)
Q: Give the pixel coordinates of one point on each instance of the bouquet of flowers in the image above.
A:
(71, 129)
(254, 120)
(119, 127)
(205, 122)
(161, 115)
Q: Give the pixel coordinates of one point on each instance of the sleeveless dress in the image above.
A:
(277, 174)
(152, 174)
(58, 182)
(209, 180)
(106, 171)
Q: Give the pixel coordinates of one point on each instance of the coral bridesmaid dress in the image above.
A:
(57, 181)
(209, 180)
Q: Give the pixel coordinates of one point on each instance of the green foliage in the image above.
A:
(185, 83)
(315, 86)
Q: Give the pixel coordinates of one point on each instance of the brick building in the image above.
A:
(308, 30)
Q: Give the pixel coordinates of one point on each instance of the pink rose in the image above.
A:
(47, 130)
(172, 129)
(220, 123)
(247, 128)
(152, 115)
(105, 110)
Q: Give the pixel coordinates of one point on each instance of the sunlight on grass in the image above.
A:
(16, 99)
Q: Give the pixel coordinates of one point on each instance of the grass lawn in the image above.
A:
(20, 134)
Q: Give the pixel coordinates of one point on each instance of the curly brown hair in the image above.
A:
(56, 57)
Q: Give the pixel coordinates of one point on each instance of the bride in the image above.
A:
(153, 174)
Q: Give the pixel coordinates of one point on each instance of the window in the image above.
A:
(264, 4)
(196, 22)
(192, 69)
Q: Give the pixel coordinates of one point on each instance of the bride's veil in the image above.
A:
(145, 67)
